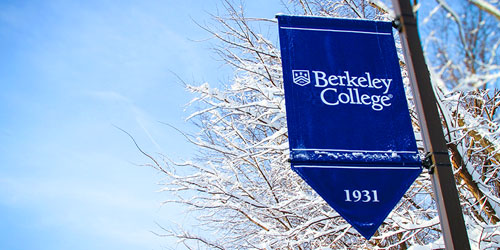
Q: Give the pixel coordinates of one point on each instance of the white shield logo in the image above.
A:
(301, 77)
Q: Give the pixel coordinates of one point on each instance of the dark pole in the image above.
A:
(443, 181)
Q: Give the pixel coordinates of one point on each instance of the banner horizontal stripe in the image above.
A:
(354, 150)
(344, 31)
(357, 167)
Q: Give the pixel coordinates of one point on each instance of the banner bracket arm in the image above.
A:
(431, 160)
(396, 23)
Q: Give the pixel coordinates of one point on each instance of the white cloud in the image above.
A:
(143, 119)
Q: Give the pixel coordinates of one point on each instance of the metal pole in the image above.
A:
(443, 181)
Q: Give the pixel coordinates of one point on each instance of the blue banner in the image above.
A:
(349, 128)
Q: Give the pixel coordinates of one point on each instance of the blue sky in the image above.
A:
(69, 71)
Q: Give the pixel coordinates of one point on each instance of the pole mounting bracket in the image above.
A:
(396, 23)
(427, 163)
(433, 159)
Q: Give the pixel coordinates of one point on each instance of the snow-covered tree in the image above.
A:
(241, 187)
